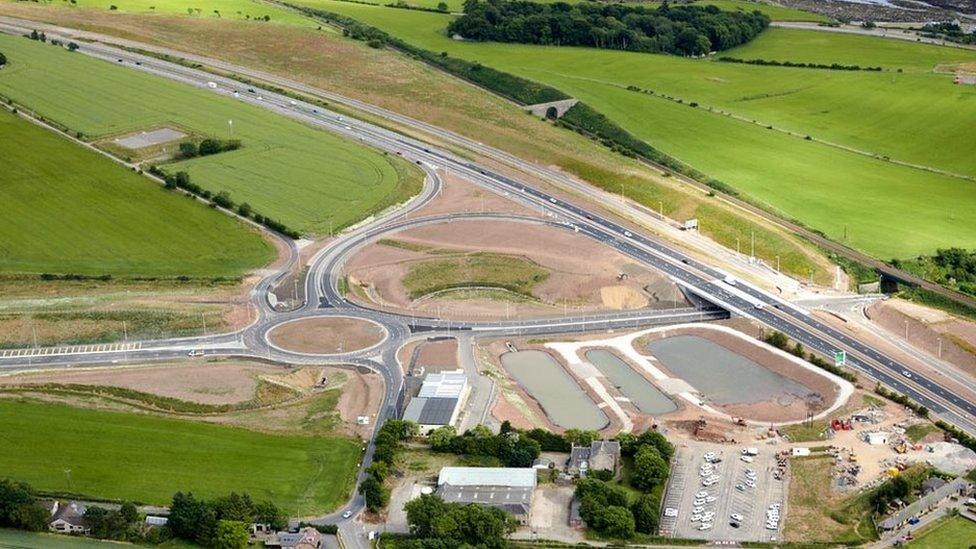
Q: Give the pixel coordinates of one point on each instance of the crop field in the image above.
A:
(254, 10)
(833, 182)
(310, 180)
(86, 215)
(146, 459)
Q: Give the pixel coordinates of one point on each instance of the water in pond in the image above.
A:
(722, 376)
(563, 400)
(631, 384)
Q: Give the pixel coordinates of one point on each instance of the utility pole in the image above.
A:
(754, 244)
(230, 123)
(940, 347)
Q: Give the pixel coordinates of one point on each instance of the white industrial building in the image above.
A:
(439, 401)
(507, 488)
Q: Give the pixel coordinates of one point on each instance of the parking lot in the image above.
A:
(728, 500)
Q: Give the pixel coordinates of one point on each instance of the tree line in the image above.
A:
(388, 442)
(181, 180)
(220, 522)
(800, 65)
(678, 30)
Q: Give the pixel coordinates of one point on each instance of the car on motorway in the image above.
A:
(759, 306)
(628, 234)
(195, 352)
(730, 280)
(907, 374)
(251, 90)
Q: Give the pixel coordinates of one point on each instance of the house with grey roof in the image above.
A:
(69, 518)
(510, 489)
(306, 538)
(600, 455)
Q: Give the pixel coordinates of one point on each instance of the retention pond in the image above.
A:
(724, 377)
(631, 384)
(565, 402)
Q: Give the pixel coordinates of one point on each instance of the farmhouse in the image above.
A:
(507, 488)
(600, 455)
(69, 518)
(439, 401)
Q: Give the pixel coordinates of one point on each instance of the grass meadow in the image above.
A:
(837, 182)
(310, 180)
(113, 455)
(254, 10)
(69, 210)
(947, 533)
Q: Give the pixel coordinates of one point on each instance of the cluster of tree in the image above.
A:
(442, 7)
(949, 31)
(608, 510)
(434, 523)
(181, 180)
(39, 36)
(222, 522)
(123, 524)
(389, 441)
(901, 487)
(951, 267)
(902, 399)
(774, 63)
(780, 341)
(19, 507)
(511, 448)
(208, 146)
(680, 30)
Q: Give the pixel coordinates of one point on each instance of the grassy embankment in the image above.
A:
(478, 270)
(838, 181)
(385, 78)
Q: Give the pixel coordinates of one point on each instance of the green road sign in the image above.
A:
(840, 358)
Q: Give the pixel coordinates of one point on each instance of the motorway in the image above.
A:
(323, 297)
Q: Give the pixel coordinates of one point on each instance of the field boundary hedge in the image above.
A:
(580, 117)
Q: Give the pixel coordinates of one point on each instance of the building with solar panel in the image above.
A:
(439, 401)
(508, 488)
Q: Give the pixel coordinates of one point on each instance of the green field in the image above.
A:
(947, 533)
(225, 9)
(310, 180)
(774, 11)
(146, 458)
(19, 539)
(84, 214)
(832, 183)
